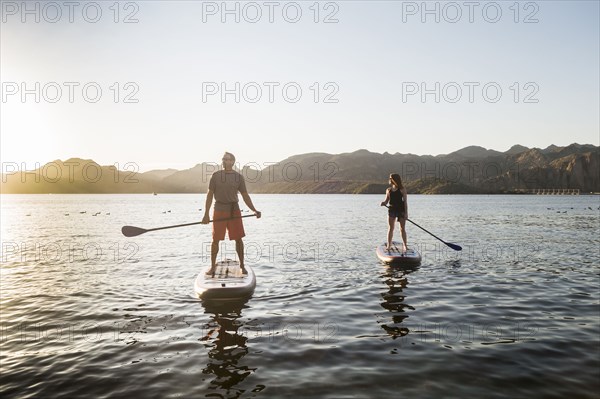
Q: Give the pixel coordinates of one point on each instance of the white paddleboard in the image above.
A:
(228, 281)
(396, 256)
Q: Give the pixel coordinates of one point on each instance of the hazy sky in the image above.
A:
(502, 73)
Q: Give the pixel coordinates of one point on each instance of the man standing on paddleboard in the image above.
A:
(224, 186)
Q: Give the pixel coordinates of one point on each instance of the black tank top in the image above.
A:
(396, 200)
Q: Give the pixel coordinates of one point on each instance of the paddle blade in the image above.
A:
(454, 246)
(132, 231)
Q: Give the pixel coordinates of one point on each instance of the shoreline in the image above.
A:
(278, 193)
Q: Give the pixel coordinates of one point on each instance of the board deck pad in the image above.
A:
(228, 281)
(395, 254)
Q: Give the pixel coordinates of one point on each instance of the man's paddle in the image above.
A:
(453, 246)
(132, 231)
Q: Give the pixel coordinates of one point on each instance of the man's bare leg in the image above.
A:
(239, 248)
(214, 251)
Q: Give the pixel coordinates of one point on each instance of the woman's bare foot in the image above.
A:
(211, 271)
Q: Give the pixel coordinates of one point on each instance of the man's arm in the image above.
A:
(248, 201)
(209, 199)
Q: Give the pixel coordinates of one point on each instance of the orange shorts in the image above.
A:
(234, 227)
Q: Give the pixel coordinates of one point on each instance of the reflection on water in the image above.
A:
(86, 313)
(394, 299)
(226, 347)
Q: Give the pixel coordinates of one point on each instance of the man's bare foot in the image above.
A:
(243, 269)
(211, 271)
(404, 249)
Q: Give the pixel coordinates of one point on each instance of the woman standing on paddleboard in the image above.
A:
(395, 195)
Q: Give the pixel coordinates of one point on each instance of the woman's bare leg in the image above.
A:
(391, 222)
(403, 233)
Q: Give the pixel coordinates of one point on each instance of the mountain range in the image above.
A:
(469, 170)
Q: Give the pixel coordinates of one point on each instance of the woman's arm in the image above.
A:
(387, 197)
(405, 202)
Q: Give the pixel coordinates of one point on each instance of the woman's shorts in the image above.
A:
(393, 213)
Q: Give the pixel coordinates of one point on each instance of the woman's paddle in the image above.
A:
(453, 246)
(132, 231)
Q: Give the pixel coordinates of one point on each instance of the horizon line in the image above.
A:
(38, 164)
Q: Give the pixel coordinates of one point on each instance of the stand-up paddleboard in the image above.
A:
(228, 281)
(396, 256)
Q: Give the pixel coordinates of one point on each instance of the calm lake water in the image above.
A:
(87, 312)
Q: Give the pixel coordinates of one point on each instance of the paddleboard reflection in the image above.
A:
(394, 299)
(226, 345)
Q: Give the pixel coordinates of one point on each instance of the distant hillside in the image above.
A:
(158, 174)
(516, 149)
(475, 152)
(469, 170)
(76, 176)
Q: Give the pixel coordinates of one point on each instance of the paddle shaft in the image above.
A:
(427, 231)
(194, 223)
(453, 246)
(131, 231)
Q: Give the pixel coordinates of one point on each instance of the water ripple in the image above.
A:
(86, 312)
